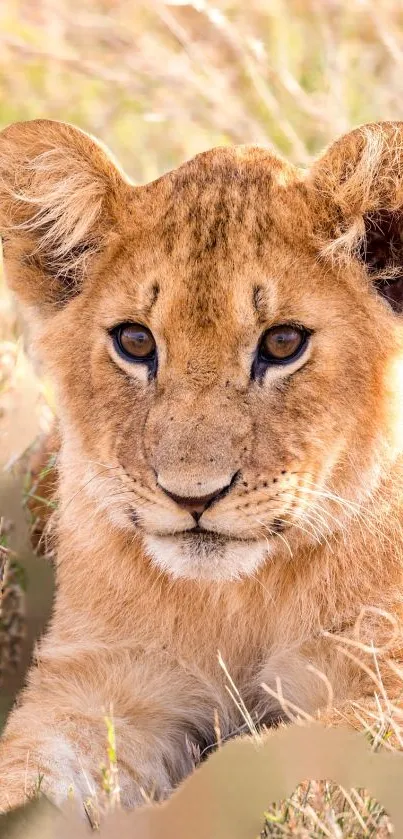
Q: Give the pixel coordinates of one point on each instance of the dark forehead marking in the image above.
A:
(260, 302)
(150, 298)
(211, 200)
(258, 299)
(155, 290)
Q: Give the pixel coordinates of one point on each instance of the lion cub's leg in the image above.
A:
(56, 740)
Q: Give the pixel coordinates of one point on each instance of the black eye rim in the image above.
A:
(116, 333)
(263, 360)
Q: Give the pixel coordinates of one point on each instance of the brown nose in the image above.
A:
(196, 506)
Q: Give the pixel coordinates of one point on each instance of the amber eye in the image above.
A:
(134, 342)
(282, 343)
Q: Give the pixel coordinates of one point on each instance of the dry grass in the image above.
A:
(12, 606)
(321, 810)
(158, 82)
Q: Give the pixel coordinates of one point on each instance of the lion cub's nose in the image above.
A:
(198, 504)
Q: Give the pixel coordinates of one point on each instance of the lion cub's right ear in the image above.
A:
(61, 199)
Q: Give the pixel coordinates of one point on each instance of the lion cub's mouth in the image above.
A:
(200, 534)
(207, 538)
(213, 537)
(208, 535)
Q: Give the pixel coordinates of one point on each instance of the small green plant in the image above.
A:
(38, 498)
(110, 774)
(94, 806)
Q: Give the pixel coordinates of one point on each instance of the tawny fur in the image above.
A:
(309, 539)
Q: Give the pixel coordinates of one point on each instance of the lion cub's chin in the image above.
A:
(208, 557)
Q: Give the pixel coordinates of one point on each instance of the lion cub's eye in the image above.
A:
(282, 344)
(134, 342)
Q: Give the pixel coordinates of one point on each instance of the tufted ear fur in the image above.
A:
(60, 200)
(359, 184)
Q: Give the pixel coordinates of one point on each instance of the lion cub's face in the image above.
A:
(225, 390)
(229, 381)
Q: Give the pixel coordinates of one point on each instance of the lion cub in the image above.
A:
(226, 347)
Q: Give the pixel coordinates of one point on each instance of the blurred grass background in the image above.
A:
(158, 82)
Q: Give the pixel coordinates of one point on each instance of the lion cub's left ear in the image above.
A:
(359, 192)
(61, 197)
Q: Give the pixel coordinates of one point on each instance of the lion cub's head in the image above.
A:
(225, 340)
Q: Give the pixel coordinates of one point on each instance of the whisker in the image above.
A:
(357, 508)
(280, 535)
(81, 489)
(362, 516)
(312, 522)
(254, 577)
